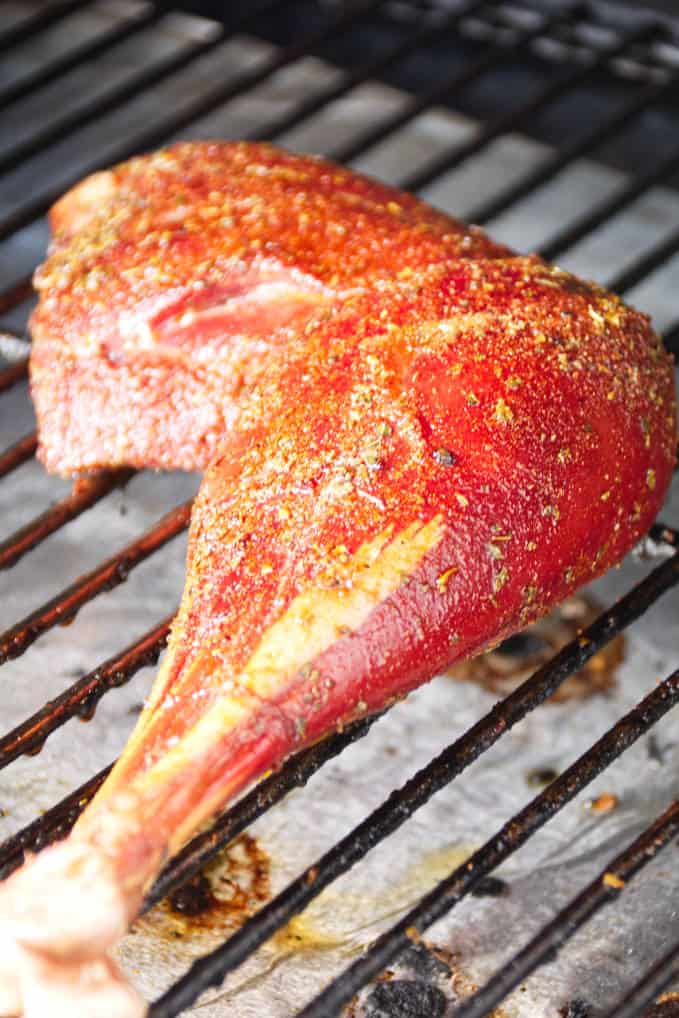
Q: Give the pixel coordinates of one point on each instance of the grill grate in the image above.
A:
(514, 833)
(494, 35)
(85, 494)
(605, 888)
(653, 983)
(515, 120)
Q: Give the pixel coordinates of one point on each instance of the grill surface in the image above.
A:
(552, 123)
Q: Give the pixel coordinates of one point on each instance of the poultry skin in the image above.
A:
(427, 459)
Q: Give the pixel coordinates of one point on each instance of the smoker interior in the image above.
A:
(556, 126)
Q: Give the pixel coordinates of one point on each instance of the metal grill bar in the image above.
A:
(49, 72)
(57, 822)
(564, 157)
(647, 264)
(85, 494)
(18, 453)
(464, 878)
(207, 103)
(657, 979)
(610, 207)
(453, 83)
(529, 695)
(604, 889)
(452, 158)
(316, 102)
(81, 698)
(51, 826)
(671, 340)
(108, 575)
(40, 20)
(35, 207)
(15, 373)
(84, 113)
(15, 294)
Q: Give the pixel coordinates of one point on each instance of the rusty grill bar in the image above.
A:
(605, 888)
(506, 35)
(514, 833)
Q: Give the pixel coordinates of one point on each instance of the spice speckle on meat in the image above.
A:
(416, 443)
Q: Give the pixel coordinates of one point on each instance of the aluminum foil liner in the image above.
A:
(482, 932)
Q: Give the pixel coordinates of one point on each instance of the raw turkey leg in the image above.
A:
(432, 465)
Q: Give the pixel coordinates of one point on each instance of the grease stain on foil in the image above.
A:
(505, 667)
(330, 922)
(217, 900)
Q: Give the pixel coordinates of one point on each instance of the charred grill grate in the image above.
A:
(639, 60)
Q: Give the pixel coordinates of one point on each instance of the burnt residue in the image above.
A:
(540, 777)
(425, 981)
(490, 887)
(193, 898)
(503, 669)
(86, 492)
(604, 803)
(666, 1006)
(217, 899)
(656, 752)
(87, 708)
(405, 998)
(576, 1008)
(424, 962)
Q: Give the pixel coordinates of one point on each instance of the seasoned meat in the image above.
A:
(175, 278)
(430, 462)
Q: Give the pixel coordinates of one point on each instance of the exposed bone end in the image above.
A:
(92, 989)
(65, 903)
(10, 992)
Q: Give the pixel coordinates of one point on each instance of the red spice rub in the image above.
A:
(489, 403)
(175, 277)
(419, 442)
(386, 398)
